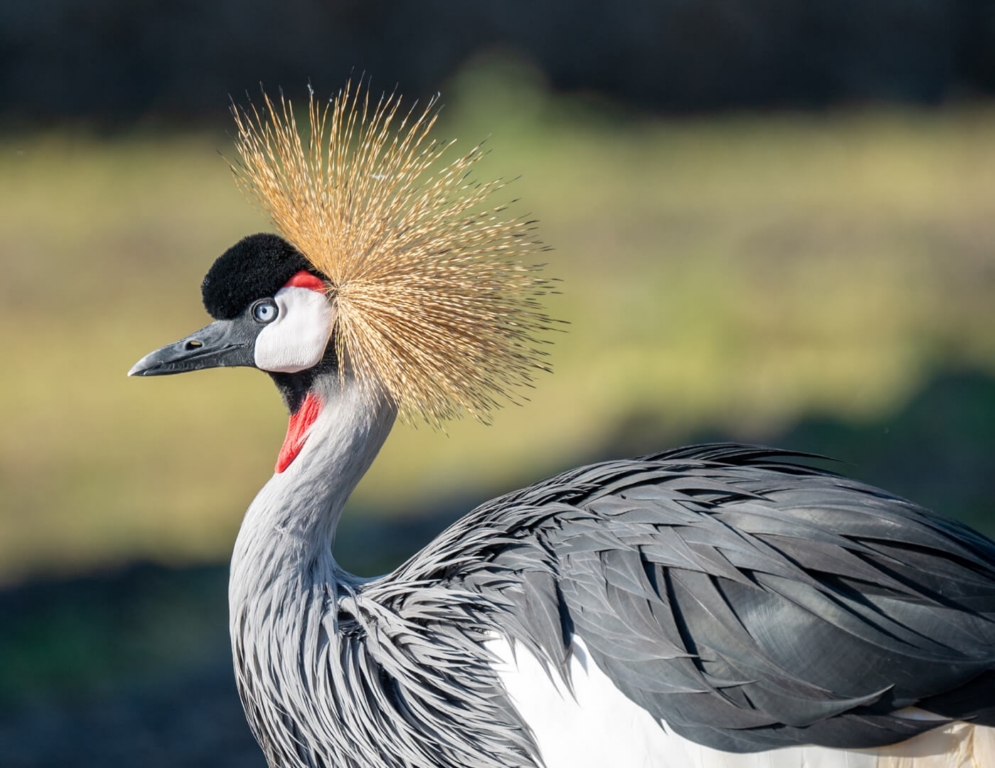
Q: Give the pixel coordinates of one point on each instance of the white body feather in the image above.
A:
(597, 726)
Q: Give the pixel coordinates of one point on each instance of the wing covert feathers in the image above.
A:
(750, 603)
(438, 307)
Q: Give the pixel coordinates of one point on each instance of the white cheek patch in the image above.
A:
(296, 340)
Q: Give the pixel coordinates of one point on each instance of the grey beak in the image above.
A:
(222, 344)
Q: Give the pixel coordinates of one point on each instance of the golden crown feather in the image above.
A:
(435, 307)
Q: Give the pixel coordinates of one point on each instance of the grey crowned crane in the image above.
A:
(714, 606)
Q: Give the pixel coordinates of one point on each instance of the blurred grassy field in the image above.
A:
(726, 273)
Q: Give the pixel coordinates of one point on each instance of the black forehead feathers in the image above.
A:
(254, 268)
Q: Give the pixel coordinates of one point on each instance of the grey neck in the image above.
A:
(288, 532)
(334, 673)
(285, 585)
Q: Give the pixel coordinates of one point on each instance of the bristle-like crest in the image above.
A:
(436, 309)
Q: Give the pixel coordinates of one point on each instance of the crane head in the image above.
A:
(271, 312)
(391, 261)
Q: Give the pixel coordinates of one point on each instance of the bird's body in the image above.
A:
(566, 621)
(710, 607)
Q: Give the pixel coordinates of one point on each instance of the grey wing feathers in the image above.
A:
(749, 602)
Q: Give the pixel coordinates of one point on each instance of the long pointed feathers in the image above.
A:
(434, 308)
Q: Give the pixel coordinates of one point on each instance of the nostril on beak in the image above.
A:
(194, 344)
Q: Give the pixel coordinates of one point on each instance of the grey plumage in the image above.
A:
(749, 601)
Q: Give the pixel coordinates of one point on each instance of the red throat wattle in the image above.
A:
(300, 422)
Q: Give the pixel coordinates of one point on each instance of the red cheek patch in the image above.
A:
(305, 279)
(300, 422)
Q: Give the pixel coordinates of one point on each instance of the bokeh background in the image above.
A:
(773, 220)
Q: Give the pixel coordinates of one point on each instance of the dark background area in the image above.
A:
(118, 61)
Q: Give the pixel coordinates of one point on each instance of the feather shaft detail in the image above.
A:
(438, 308)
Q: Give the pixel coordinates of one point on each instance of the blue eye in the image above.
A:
(265, 311)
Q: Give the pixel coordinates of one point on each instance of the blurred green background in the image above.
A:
(818, 279)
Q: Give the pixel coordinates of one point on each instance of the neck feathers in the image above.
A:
(285, 543)
(291, 523)
(284, 580)
(335, 672)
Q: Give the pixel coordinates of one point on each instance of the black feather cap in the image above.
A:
(255, 267)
